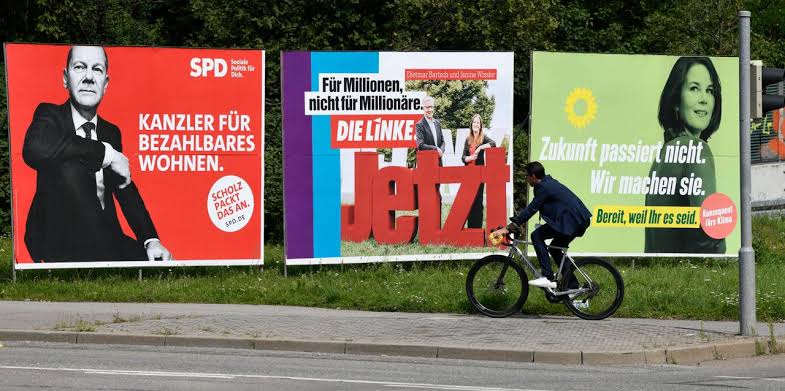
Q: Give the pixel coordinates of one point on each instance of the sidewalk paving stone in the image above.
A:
(553, 339)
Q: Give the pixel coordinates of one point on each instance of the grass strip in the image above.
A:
(655, 288)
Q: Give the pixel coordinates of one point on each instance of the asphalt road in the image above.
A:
(47, 366)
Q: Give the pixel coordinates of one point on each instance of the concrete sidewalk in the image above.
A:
(550, 339)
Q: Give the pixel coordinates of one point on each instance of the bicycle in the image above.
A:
(595, 293)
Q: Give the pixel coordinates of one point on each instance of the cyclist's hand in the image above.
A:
(514, 227)
(500, 232)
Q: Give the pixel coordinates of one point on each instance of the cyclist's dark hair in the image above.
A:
(536, 169)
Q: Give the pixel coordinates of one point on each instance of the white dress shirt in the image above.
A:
(432, 125)
(108, 152)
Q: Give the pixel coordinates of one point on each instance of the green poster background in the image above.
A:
(626, 91)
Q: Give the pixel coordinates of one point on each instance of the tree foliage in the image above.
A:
(456, 101)
(679, 27)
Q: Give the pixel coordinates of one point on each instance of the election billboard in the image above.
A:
(395, 156)
(650, 144)
(135, 156)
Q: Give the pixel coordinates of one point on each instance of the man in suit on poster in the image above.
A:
(81, 170)
(429, 130)
(428, 133)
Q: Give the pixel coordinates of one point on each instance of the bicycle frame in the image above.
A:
(516, 253)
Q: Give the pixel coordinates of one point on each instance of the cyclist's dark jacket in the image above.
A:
(558, 206)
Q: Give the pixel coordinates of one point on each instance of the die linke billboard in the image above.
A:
(649, 143)
(395, 156)
(134, 156)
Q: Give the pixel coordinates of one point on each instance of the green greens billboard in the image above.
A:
(649, 143)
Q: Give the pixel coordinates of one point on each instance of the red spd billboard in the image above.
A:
(135, 156)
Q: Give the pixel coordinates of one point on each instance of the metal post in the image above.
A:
(140, 275)
(746, 252)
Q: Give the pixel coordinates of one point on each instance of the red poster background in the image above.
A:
(151, 80)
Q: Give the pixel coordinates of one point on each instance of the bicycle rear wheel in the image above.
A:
(497, 286)
(605, 289)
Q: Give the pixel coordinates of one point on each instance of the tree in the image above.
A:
(457, 101)
(691, 27)
(680, 27)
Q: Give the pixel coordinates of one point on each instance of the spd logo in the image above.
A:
(201, 67)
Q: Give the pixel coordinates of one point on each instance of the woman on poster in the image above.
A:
(690, 111)
(474, 154)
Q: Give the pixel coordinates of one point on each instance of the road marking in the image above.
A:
(751, 378)
(166, 374)
(118, 372)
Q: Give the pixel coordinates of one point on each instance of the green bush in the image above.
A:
(614, 26)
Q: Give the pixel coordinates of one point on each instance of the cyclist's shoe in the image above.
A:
(543, 282)
(580, 304)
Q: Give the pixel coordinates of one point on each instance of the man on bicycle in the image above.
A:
(565, 215)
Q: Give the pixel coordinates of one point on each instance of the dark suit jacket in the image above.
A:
(558, 206)
(424, 136)
(66, 222)
(683, 240)
(481, 156)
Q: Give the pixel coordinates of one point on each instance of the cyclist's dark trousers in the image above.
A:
(539, 236)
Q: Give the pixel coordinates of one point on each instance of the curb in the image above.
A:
(689, 355)
(119, 339)
(464, 353)
(297, 345)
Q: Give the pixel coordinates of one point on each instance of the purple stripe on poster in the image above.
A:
(298, 156)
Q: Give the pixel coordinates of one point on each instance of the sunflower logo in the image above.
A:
(581, 98)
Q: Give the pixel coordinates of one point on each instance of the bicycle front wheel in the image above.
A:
(604, 289)
(497, 286)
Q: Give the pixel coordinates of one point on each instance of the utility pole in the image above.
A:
(747, 307)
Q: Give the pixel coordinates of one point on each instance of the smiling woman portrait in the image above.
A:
(474, 154)
(690, 112)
